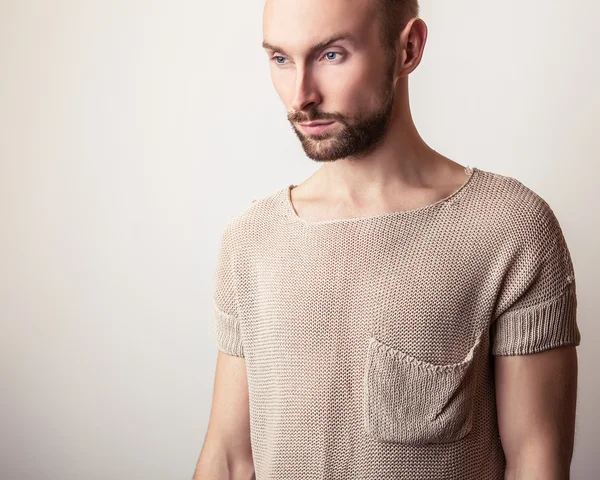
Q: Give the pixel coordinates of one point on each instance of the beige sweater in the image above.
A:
(368, 341)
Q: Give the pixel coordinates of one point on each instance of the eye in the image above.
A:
(331, 53)
(327, 55)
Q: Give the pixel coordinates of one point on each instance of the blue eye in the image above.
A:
(327, 55)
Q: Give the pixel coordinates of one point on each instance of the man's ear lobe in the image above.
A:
(401, 57)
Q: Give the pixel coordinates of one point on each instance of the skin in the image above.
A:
(226, 452)
(536, 398)
(373, 160)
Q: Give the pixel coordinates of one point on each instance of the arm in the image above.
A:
(536, 399)
(226, 453)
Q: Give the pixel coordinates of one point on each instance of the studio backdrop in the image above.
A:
(132, 131)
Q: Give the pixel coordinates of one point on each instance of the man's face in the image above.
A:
(348, 82)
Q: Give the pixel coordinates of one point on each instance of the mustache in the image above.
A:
(301, 117)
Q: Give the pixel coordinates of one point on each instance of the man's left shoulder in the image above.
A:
(513, 206)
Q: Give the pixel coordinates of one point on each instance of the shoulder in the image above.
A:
(260, 215)
(526, 236)
(513, 207)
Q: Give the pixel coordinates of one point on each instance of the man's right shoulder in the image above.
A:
(260, 215)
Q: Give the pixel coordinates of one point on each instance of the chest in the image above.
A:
(426, 300)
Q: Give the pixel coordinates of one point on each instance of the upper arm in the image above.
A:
(536, 399)
(227, 451)
(228, 435)
(534, 337)
(229, 420)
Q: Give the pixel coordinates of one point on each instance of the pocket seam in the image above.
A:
(402, 356)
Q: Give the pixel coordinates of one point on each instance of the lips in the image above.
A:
(316, 127)
(314, 124)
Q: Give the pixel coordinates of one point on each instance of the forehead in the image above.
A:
(296, 25)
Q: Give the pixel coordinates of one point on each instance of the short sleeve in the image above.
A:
(225, 301)
(537, 304)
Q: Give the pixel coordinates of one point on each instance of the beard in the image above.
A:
(360, 134)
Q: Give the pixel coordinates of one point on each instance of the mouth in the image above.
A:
(316, 127)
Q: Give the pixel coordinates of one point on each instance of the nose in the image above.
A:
(306, 93)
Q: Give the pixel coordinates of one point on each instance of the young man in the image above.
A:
(396, 315)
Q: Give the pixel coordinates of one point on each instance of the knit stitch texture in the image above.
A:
(369, 341)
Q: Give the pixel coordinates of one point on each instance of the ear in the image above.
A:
(409, 47)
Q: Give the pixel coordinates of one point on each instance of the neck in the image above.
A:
(401, 156)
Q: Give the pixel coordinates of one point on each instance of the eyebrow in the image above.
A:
(334, 38)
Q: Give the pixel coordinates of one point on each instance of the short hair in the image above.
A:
(393, 17)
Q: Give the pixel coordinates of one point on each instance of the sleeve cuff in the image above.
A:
(541, 327)
(228, 335)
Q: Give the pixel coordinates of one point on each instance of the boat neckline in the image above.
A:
(385, 215)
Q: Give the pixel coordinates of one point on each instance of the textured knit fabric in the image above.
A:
(369, 341)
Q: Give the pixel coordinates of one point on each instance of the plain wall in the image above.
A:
(131, 131)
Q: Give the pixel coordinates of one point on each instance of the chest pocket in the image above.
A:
(411, 401)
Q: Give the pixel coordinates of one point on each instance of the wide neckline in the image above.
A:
(401, 213)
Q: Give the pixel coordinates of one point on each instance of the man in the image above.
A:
(396, 315)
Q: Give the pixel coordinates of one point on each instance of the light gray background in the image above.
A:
(132, 131)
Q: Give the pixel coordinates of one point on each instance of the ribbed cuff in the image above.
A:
(228, 335)
(534, 329)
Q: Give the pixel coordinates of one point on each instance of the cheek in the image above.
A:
(350, 92)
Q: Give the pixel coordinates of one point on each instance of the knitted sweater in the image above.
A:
(369, 341)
